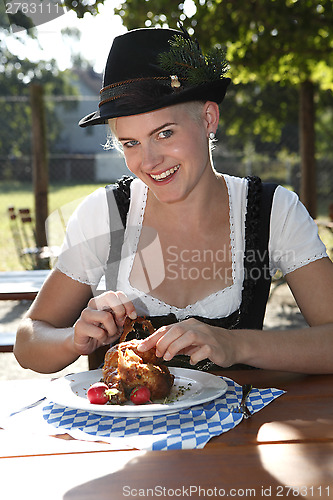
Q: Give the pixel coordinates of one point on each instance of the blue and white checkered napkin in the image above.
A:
(187, 429)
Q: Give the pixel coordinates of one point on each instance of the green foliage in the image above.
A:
(186, 60)
(20, 195)
(324, 125)
(272, 46)
(273, 40)
(251, 112)
(82, 7)
(285, 40)
(15, 76)
(22, 20)
(269, 43)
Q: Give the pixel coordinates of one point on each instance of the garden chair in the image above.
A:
(24, 236)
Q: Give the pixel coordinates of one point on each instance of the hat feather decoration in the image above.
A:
(186, 60)
(152, 68)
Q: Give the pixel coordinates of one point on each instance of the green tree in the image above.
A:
(289, 42)
(16, 75)
(284, 42)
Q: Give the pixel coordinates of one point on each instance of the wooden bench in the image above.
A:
(21, 285)
(18, 285)
(22, 227)
(24, 285)
(7, 341)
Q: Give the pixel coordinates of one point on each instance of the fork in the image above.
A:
(242, 408)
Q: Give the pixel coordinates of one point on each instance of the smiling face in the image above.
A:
(168, 149)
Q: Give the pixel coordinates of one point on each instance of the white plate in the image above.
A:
(191, 387)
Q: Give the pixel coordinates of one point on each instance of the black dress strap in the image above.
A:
(257, 277)
(118, 198)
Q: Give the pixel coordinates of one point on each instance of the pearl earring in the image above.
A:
(211, 136)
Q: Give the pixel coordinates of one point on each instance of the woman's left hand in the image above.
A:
(195, 339)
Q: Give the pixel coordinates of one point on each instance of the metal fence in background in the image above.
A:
(76, 156)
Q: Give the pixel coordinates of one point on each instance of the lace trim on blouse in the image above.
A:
(201, 304)
(302, 263)
(74, 277)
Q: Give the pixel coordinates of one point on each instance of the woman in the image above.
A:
(199, 247)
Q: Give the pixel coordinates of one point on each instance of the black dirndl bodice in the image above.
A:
(257, 279)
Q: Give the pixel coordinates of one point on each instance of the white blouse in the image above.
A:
(293, 243)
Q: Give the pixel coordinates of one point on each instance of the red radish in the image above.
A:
(97, 393)
(140, 395)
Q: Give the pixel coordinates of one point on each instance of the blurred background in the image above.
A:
(276, 121)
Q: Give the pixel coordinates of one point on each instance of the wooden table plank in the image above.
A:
(303, 413)
(252, 471)
(21, 285)
(283, 421)
(296, 384)
(29, 445)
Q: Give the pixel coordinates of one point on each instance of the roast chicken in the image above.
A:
(125, 368)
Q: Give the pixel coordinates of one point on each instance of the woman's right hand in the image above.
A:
(101, 322)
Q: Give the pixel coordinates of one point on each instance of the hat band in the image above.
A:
(116, 90)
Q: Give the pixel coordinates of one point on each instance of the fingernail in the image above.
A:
(167, 356)
(133, 315)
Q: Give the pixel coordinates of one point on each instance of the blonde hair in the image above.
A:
(111, 138)
(193, 108)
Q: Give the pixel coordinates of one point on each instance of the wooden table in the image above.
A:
(24, 285)
(21, 285)
(18, 285)
(283, 451)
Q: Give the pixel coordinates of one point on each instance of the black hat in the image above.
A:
(151, 68)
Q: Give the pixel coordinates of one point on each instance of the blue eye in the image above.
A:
(130, 144)
(165, 134)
